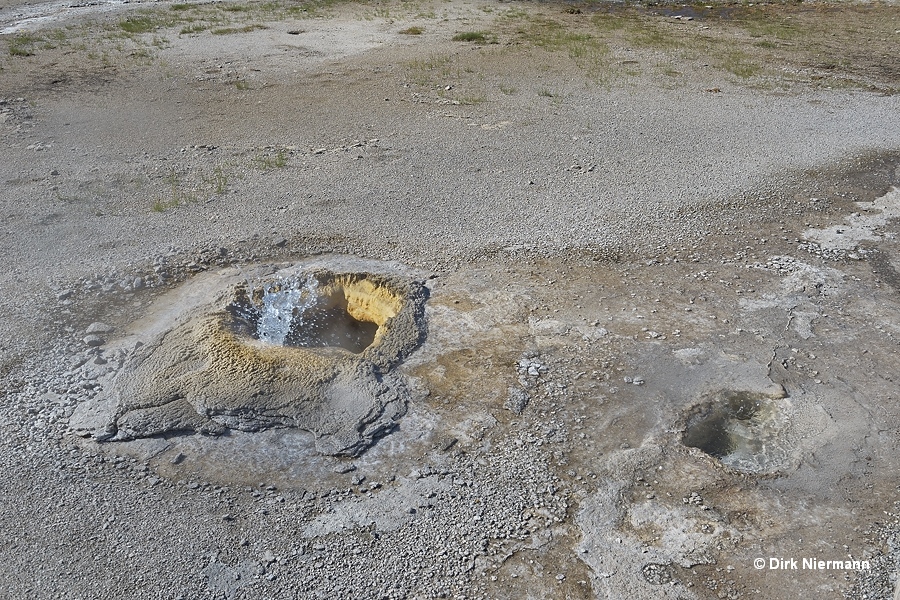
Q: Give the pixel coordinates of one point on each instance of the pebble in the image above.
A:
(94, 340)
(516, 401)
(99, 328)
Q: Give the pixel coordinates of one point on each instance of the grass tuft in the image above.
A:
(135, 25)
(470, 36)
(23, 44)
(280, 160)
(738, 63)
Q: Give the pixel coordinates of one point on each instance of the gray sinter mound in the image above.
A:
(210, 372)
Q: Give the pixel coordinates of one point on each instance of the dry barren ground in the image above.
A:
(659, 249)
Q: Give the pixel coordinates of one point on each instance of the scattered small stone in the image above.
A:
(94, 341)
(516, 401)
(658, 574)
(694, 499)
(99, 328)
(344, 468)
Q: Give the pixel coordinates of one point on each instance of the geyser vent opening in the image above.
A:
(743, 430)
(302, 311)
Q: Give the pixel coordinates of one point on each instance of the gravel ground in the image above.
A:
(522, 181)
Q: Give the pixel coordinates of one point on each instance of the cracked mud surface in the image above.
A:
(623, 218)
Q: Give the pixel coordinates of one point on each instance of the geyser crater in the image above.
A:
(314, 348)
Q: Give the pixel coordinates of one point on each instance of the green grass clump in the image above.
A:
(412, 31)
(470, 36)
(738, 63)
(588, 51)
(135, 25)
(162, 206)
(279, 161)
(220, 179)
(23, 44)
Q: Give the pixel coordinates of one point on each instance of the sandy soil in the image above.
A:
(626, 217)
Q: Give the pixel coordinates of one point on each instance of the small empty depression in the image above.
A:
(744, 430)
(313, 312)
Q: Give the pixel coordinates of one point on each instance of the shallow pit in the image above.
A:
(743, 430)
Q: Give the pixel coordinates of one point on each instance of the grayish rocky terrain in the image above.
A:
(653, 252)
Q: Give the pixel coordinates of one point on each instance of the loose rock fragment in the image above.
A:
(516, 401)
